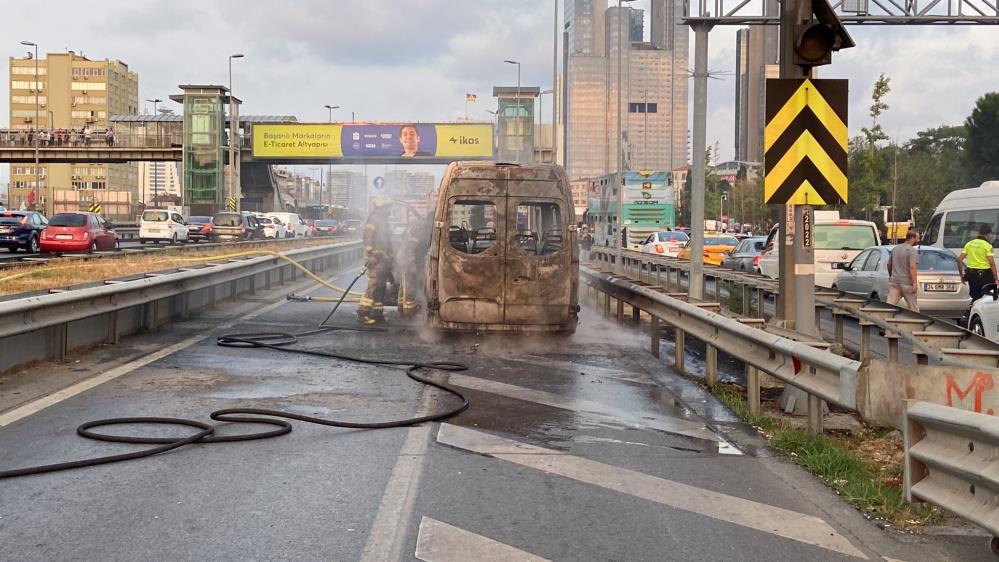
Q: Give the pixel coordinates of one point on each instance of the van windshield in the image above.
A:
(844, 237)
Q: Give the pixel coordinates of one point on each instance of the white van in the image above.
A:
(162, 225)
(835, 240)
(960, 214)
(294, 223)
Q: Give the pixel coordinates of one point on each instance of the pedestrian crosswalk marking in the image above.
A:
(662, 423)
(439, 542)
(765, 518)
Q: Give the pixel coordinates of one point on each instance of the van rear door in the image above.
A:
(471, 266)
(538, 261)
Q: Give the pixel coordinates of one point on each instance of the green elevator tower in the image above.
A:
(205, 146)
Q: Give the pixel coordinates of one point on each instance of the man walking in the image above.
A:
(981, 266)
(902, 267)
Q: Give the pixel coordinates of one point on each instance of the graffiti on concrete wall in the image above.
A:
(971, 396)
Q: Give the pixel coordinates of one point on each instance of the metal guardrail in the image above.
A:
(820, 374)
(50, 325)
(930, 337)
(952, 460)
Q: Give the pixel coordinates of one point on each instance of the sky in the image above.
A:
(389, 60)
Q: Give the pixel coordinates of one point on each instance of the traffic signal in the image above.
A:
(815, 41)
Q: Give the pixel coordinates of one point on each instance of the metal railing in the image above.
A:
(820, 374)
(49, 326)
(952, 460)
(931, 339)
(75, 138)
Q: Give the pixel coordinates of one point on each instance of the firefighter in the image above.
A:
(378, 260)
(410, 262)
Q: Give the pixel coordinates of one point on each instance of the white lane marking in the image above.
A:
(36, 406)
(389, 529)
(440, 542)
(639, 419)
(754, 515)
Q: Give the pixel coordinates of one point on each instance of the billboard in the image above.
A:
(377, 142)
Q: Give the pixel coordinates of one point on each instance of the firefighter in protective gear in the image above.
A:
(378, 260)
(411, 262)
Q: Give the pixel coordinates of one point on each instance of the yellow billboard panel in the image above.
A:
(464, 140)
(297, 141)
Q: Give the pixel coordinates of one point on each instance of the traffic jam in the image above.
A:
(81, 231)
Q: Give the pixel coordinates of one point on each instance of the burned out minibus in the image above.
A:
(503, 254)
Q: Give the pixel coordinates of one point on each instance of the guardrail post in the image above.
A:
(761, 302)
(619, 316)
(184, 304)
(814, 414)
(655, 336)
(636, 316)
(912, 433)
(678, 351)
(865, 341)
(746, 304)
(252, 280)
(267, 280)
(149, 312)
(60, 337)
(839, 328)
(112, 327)
(212, 297)
(607, 300)
(659, 282)
(711, 365)
(753, 389)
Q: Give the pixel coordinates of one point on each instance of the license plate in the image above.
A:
(64, 236)
(939, 287)
(154, 230)
(6, 230)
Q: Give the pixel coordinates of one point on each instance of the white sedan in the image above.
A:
(666, 243)
(984, 317)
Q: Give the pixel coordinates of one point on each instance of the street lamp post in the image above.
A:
(38, 171)
(540, 113)
(519, 125)
(233, 129)
(620, 127)
(154, 165)
(329, 171)
(722, 198)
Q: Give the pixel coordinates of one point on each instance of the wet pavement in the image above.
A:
(579, 448)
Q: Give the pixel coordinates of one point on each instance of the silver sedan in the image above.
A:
(939, 290)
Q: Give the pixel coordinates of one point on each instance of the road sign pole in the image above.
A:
(796, 303)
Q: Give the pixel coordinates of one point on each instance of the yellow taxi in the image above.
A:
(716, 247)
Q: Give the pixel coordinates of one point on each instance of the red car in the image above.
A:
(78, 232)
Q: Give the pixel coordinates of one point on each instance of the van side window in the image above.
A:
(932, 231)
(472, 226)
(539, 228)
(962, 226)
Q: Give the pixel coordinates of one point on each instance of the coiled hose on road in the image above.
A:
(276, 341)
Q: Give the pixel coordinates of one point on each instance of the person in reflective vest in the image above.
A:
(378, 260)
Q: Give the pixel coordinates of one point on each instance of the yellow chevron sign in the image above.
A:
(805, 142)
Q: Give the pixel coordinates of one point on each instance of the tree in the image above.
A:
(982, 149)
(869, 173)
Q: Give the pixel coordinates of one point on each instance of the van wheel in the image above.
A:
(173, 241)
(976, 327)
(33, 245)
(93, 246)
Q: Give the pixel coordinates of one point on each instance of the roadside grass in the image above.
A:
(64, 273)
(864, 468)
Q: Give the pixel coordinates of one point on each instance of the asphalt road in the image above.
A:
(584, 448)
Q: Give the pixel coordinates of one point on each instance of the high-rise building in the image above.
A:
(158, 182)
(585, 23)
(653, 100)
(347, 189)
(757, 50)
(71, 92)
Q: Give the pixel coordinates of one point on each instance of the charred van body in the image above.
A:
(502, 254)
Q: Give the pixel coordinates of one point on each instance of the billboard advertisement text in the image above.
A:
(395, 142)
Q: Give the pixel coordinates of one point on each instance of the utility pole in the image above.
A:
(695, 281)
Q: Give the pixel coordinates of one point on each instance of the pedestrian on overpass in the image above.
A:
(981, 267)
(903, 263)
(378, 260)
